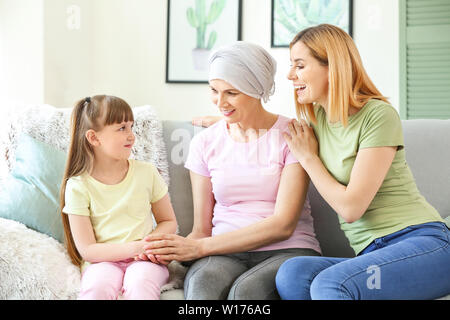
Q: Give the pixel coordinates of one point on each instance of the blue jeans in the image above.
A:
(413, 263)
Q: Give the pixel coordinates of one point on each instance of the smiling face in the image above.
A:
(232, 103)
(116, 140)
(309, 76)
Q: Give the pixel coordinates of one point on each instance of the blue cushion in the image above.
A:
(30, 193)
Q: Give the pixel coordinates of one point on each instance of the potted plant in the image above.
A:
(293, 16)
(199, 19)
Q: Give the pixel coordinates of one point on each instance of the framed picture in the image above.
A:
(291, 16)
(194, 29)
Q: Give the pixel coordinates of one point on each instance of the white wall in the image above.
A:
(120, 49)
(21, 51)
(68, 58)
(376, 33)
(130, 59)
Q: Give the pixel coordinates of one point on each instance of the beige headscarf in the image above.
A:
(247, 67)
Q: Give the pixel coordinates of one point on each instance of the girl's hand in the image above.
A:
(148, 257)
(205, 121)
(151, 258)
(302, 141)
(168, 247)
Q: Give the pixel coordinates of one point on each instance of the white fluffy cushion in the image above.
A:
(34, 265)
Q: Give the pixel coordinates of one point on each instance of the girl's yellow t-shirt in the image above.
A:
(122, 212)
(398, 203)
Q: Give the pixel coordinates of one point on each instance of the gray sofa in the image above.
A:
(427, 144)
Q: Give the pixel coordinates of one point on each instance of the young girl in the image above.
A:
(106, 200)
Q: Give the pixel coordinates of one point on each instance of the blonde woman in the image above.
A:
(355, 156)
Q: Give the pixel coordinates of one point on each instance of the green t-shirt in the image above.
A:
(398, 203)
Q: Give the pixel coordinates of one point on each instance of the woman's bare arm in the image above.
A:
(368, 173)
(205, 121)
(204, 202)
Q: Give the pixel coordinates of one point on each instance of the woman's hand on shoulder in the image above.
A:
(205, 121)
(301, 141)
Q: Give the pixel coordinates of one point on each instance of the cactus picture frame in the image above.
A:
(195, 28)
(291, 16)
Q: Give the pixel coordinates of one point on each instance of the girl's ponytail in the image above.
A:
(78, 161)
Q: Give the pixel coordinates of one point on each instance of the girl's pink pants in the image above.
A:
(134, 280)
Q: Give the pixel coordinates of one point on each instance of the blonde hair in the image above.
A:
(349, 84)
(89, 113)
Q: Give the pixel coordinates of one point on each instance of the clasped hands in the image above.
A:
(163, 248)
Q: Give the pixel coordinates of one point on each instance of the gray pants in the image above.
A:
(238, 276)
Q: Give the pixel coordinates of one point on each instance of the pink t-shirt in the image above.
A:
(245, 179)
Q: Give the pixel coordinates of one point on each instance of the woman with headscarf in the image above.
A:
(251, 212)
